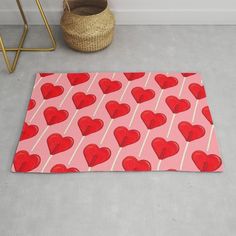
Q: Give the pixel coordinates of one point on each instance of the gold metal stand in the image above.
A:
(11, 67)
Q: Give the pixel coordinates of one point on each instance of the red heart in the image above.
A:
(134, 75)
(54, 116)
(88, 126)
(197, 90)
(177, 105)
(116, 110)
(95, 155)
(206, 162)
(28, 131)
(78, 78)
(188, 74)
(57, 143)
(24, 162)
(206, 112)
(166, 81)
(31, 104)
(164, 149)
(108, 86)
(50, 91)
(191, 132)
(126, 137)
(152, 120)
(45, 74)
(82, 100)
(142, 95)
(130, 163)
(60, 168)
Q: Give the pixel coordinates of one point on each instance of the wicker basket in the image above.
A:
(87, 25)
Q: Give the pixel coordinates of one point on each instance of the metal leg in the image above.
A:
(20, 48)
(4, 50)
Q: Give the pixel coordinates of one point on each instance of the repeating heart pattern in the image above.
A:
(131, 121)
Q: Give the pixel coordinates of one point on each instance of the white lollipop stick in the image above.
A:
(144, 142)
(108, 127)
(210, 137)
(171, 124)
(42, 134)
(123, 94)
(94, 78)
(148, 78)
(159, 99)
(73, 155)
(99, 104)
(134, 114)
(113, 75)
(39, 80)
(116, 157)
(58, 78)
(182, 86)
(68, 126)
(195, 110)
(45, 165)
(184, 155)
(36, 112)
(159, 165)
(66, 96)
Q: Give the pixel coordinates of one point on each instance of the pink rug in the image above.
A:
(118, 122)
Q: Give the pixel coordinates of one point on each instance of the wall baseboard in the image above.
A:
(136, 17)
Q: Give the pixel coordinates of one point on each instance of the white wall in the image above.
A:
(137, 11)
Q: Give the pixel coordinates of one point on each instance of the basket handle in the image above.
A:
(66, 5)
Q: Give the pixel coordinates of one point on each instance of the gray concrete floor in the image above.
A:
(116, 203)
